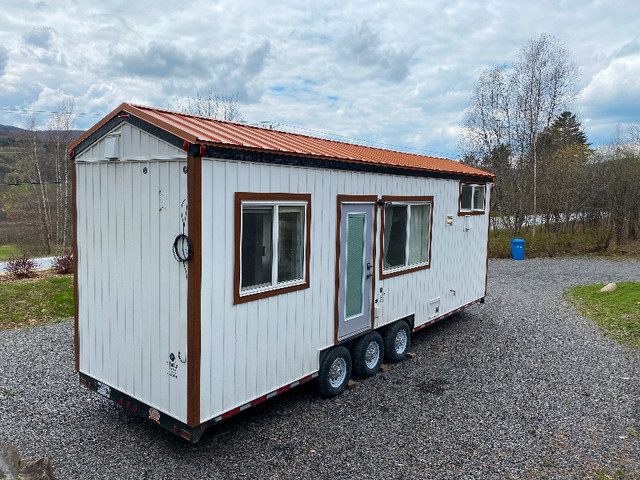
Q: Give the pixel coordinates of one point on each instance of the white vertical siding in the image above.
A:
(256, 347)
(132, 292)
(133, 144)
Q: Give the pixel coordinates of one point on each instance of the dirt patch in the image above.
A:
(9, 278)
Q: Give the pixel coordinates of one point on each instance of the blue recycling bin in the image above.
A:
(517, 249)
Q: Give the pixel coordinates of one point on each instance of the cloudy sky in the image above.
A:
(399, 72)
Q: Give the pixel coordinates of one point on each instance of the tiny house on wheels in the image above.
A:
(220, 264)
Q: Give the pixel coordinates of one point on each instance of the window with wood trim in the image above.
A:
(471, 199)
(272, 244)
(406, 234)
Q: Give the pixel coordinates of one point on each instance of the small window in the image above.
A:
(471, 199)
(272, 244)
(406, 235)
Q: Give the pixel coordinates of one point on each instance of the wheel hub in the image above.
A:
(372, 354)
(401, 342)
(337, 372)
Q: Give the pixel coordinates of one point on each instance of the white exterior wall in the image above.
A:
(131, 291)
(133, 144)
(253, 348)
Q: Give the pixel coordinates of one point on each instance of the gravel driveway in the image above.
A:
(520, 387)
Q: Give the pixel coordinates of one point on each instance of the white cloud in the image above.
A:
(612, 98)
(615, 90)
(398, 72)
(4, 55)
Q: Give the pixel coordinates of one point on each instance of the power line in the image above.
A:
(357, 141)
(28, 111)
(33, 183)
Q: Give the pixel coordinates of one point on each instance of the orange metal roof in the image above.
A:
(207, 131)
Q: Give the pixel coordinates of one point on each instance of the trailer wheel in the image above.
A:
(367, 354)
(335, 372)
(396, 341)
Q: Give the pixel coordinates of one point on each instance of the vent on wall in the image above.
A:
(112, 146)
(434, 308)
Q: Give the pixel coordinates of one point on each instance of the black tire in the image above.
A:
(335, 372)
(368, 352)
(397, 338)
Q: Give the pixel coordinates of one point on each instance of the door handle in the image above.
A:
(369, 266)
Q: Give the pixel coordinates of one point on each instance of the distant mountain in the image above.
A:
(9, 128)
(15, 133)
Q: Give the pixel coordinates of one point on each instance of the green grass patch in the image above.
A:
(36, 301)
(617, 313)
(7, 252)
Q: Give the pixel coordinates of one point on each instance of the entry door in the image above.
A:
(355, 268)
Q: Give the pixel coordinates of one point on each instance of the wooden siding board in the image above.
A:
(83, 361)
(111, 319)
(228, 316)
(144, 288)
(206, 305)
(153, 283)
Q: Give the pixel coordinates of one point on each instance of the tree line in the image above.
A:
(550, 182)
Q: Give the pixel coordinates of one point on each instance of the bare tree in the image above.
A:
(511, 106)
(212, 105)
(624, 169)
(545, 80)
(59, 136)
(32, 166)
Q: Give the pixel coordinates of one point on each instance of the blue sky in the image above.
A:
(399, 73)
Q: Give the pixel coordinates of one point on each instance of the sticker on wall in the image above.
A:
(154, 415)
(103, 389)
(380, 298)
(172, 366)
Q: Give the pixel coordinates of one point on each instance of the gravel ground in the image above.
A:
(520, 387)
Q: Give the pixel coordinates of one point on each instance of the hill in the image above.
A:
(12, 134)
(10, 147)
(9, 128)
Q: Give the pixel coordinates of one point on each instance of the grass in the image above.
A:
(7, 252)
(617, 313)
(36, 301)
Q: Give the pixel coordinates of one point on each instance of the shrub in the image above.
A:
(63, 264)
(21, 267)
